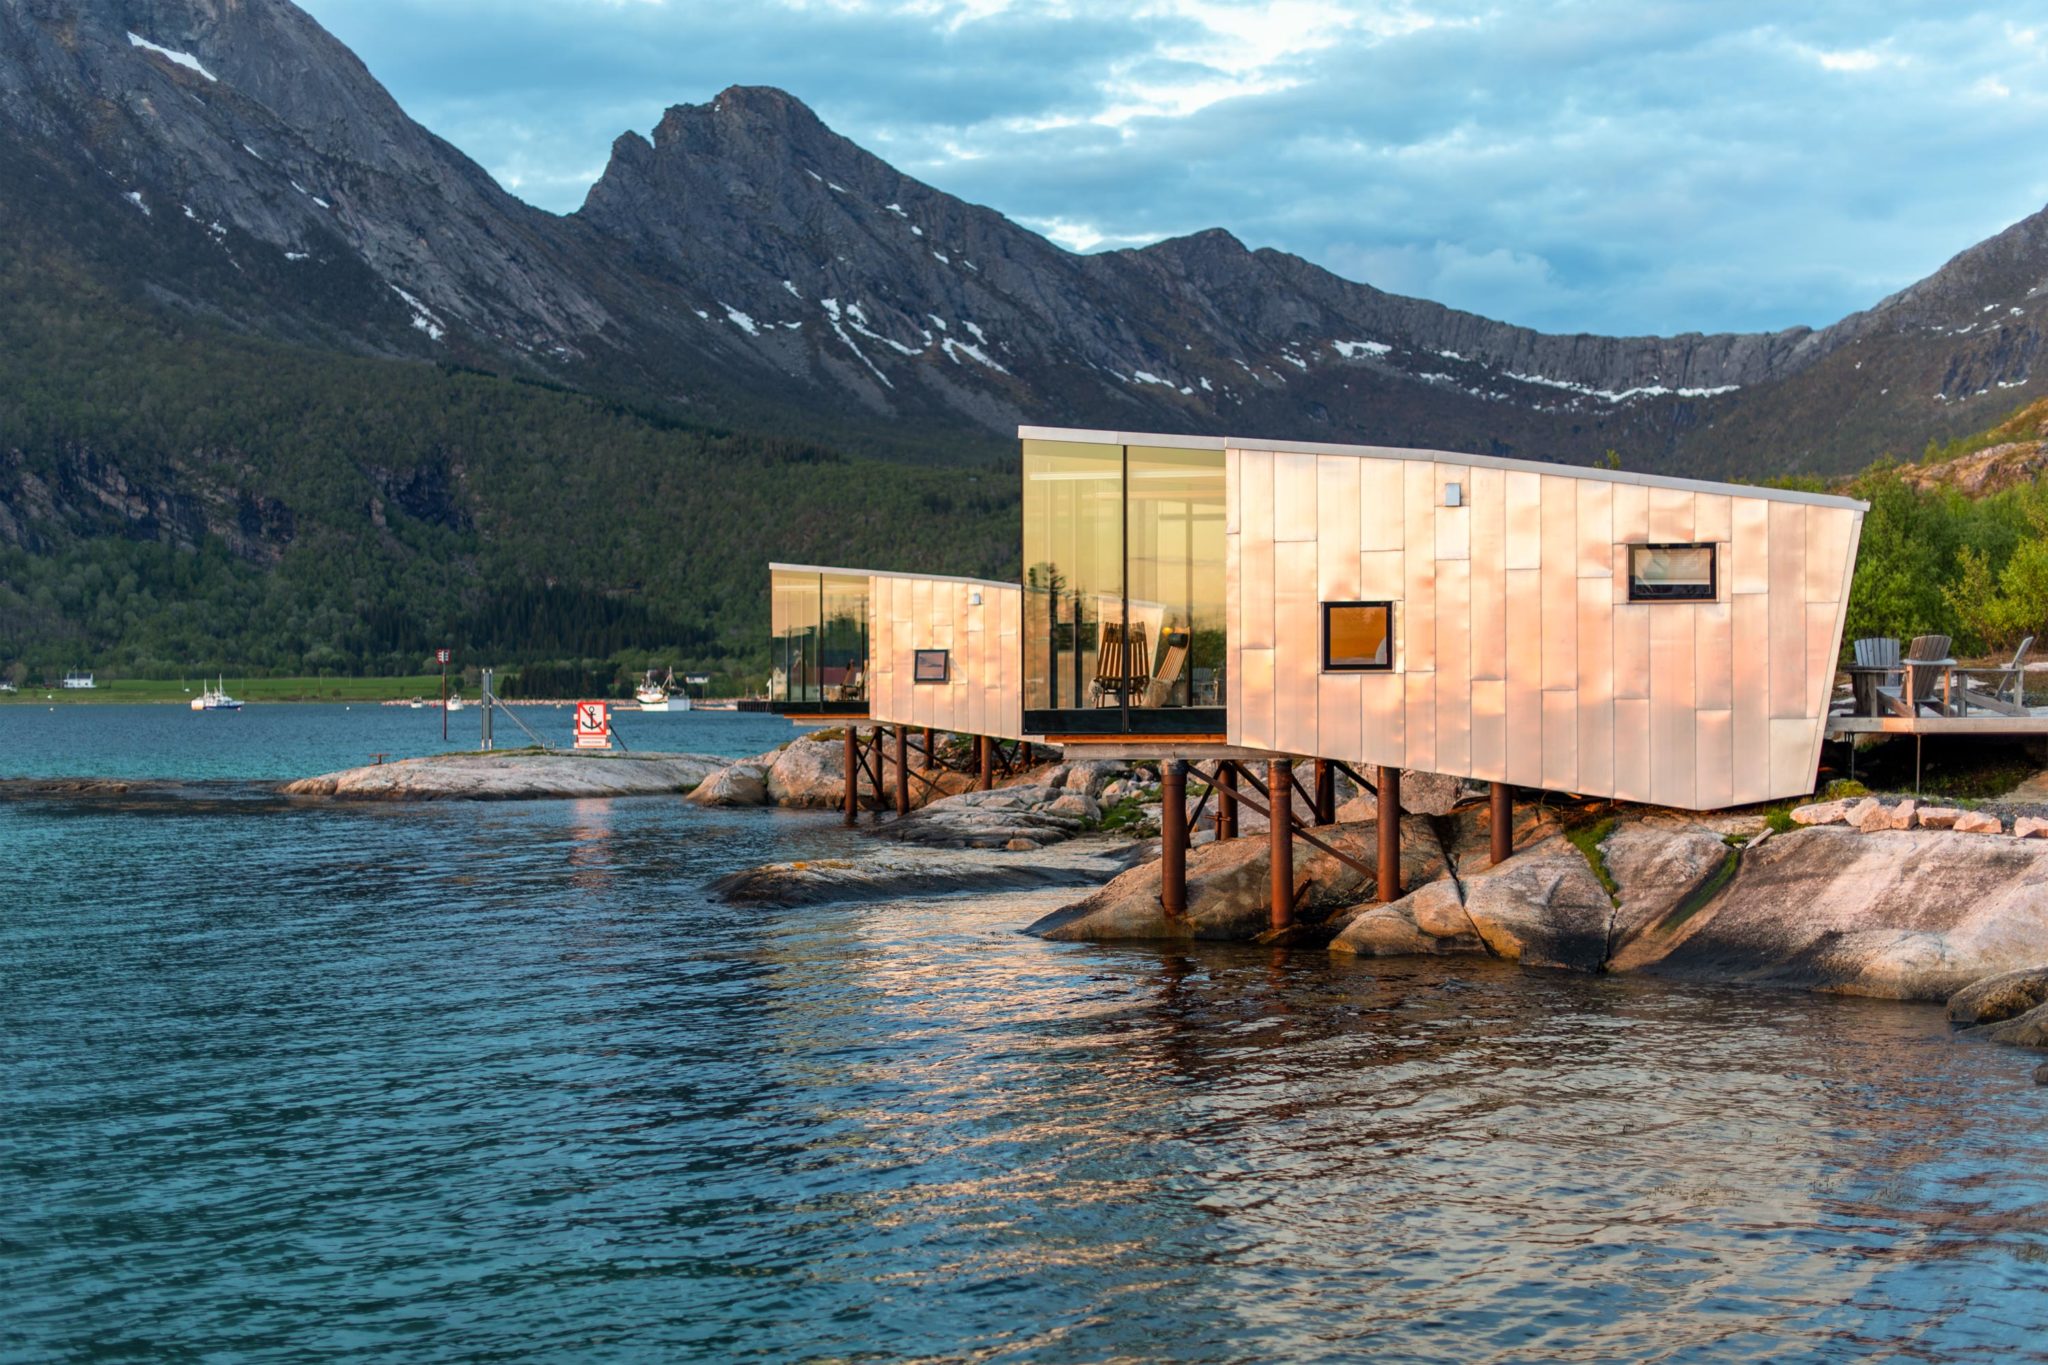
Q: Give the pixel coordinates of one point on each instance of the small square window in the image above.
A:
(1671, 573)
(1358, 636)
(932, 666)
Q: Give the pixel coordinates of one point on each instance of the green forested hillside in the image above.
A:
(175, 498)
(1957, 543)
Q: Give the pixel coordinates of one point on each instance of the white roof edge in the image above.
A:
(1743, 490)
(890, 573)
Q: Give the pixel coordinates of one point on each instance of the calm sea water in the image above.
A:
(500, 1083)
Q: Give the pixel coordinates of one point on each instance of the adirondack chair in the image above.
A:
(1925, 664)
(1122, 664)
(1877, 652)
(2009, 678)
(1173, 662)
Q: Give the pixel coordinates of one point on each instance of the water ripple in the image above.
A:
(500, 1083)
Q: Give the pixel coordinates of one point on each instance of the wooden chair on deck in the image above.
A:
(1925, 665)
(2010, 678)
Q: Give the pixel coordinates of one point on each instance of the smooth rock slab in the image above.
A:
(1905, 915)
(517, 775)
(1657, 866)
(887, 874)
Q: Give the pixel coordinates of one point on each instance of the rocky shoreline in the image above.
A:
(1887, 900)
(1894, 899)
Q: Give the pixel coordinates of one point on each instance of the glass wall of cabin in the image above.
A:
(818, 647)
(1123, 589)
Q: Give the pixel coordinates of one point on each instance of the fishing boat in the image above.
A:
(455, 702)
(215, 698)
(655, 696)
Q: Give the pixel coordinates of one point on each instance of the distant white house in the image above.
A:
(79, 681)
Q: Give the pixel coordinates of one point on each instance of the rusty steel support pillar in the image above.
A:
(1226, 800)
(1501, 805)
(903, 770)
(1173, 839)
(881, 750)
(1326, 792)
(931, 752)
(852, 776)
(1389, 817)
(1280, 782)
(984, 751)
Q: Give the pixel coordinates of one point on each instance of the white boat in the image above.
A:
(455, 702)
(417, 704)
(215, 698)
(655, 696)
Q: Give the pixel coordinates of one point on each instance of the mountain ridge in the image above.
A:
(747, 263)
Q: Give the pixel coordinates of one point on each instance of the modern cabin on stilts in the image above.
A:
(1233, 608)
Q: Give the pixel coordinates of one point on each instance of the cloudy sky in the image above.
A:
(1575, 165)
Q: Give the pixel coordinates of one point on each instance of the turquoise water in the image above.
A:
(284, 741)
(500, 1082)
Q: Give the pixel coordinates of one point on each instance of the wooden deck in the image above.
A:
(1977, 723)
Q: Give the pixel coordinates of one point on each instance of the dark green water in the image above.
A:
(500, 1083)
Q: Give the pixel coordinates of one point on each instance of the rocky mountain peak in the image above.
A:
(231, 157)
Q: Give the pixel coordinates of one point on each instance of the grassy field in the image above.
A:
(242, 689)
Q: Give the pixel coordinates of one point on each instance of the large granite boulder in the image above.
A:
(1470, 832)
(743, 784)
(1900, 914)
(2028, 1030)
(809, 773)
(1543, 907)
(1429, 921)
(1230, 888)
(1998, 998)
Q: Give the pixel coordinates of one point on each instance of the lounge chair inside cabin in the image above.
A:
(1123, 665)
(1173, 664)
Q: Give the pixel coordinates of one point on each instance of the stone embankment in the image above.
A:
(1892, 900)
(514, 775)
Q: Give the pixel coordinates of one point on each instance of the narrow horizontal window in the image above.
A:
(1358, 636)
(1671, 573)
(932, 666)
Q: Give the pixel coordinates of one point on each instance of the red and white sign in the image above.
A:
(593, 725)
(442, 656)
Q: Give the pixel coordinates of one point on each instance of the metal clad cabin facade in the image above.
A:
(1578, 630)
(966, 634)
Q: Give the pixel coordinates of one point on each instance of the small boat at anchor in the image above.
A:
(455, 702)
(215, 698)
(655, 696)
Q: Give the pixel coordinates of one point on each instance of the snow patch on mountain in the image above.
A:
(172, 55)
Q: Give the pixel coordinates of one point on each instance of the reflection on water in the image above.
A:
(497, 1081)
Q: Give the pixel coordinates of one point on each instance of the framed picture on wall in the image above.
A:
(932, 666)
